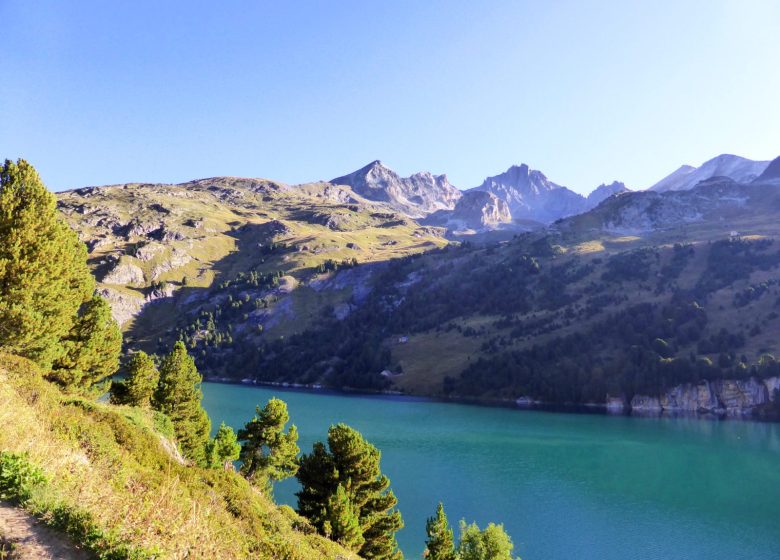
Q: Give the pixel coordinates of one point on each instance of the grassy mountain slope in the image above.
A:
(115, 482)
(149, 242)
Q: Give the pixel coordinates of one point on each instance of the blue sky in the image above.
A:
(586, 91)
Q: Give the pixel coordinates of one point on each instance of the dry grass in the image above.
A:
(109, 462)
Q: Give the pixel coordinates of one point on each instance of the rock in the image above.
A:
(148, 251)
(178, 259)
(644, 403)
(616, 405)
(476, 210)
(123, 306)
(124, 273)
(741, 396)
(97, 243)
(772, 384)
(137, 228)
(727, 396)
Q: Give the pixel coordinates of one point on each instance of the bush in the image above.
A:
(18, 477)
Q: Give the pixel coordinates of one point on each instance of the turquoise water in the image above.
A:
(564, 485)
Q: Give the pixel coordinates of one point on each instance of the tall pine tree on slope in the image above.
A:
(91, 349)
(44, 278)
(268, 453)
(353, 463)
(179, 396)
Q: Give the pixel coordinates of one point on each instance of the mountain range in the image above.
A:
(357, 283)
(523, 198)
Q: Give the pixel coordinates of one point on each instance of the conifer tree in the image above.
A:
(142, 380)
(268, 453)
(224, 447)
(44, 278)
(91, 349)
(440, 544)
(179, 396)
(354, 463)
(342, 524)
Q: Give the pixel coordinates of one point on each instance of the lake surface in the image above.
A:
(564, 485)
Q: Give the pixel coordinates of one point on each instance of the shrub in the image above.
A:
(18, 476)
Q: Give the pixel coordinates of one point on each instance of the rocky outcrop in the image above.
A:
(416, 196)
(123, 305)
(178, 259)
(476, 210)
(727, 396)
(124, 273)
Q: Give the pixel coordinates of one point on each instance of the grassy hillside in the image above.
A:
(114, 482)
(151, 242)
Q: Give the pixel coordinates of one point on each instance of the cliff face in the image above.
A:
(727, 396)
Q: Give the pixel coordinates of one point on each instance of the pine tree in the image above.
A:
(342, 524)
(353, 462)
(268, 454)
(224, 447)
(44, 278)
(179, 396)
(142, 380)
(91, 349)
(440, 544)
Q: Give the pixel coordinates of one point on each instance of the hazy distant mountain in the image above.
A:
(531, 195)
(476, 210)
(417, 196)
(604, 191)
(771, 173)
(741, 170)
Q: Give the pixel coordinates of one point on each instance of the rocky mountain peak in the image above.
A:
(741, 170)
(417, 195)
(529, 194)
(604, 191)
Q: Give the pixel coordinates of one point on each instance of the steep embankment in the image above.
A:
(111, 482)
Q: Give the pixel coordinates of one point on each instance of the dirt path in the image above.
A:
(32, 540)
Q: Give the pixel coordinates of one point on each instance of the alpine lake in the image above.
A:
(587, 486)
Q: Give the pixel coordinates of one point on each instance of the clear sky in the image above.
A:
(587, 91)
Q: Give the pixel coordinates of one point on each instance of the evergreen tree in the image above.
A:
(440, 544)
(179, 396)
(342, 524)
(352, 462)
(491, 544)
(142, 380)
(268, 454)
(44, 278)
(91, 350)
(224, 447)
